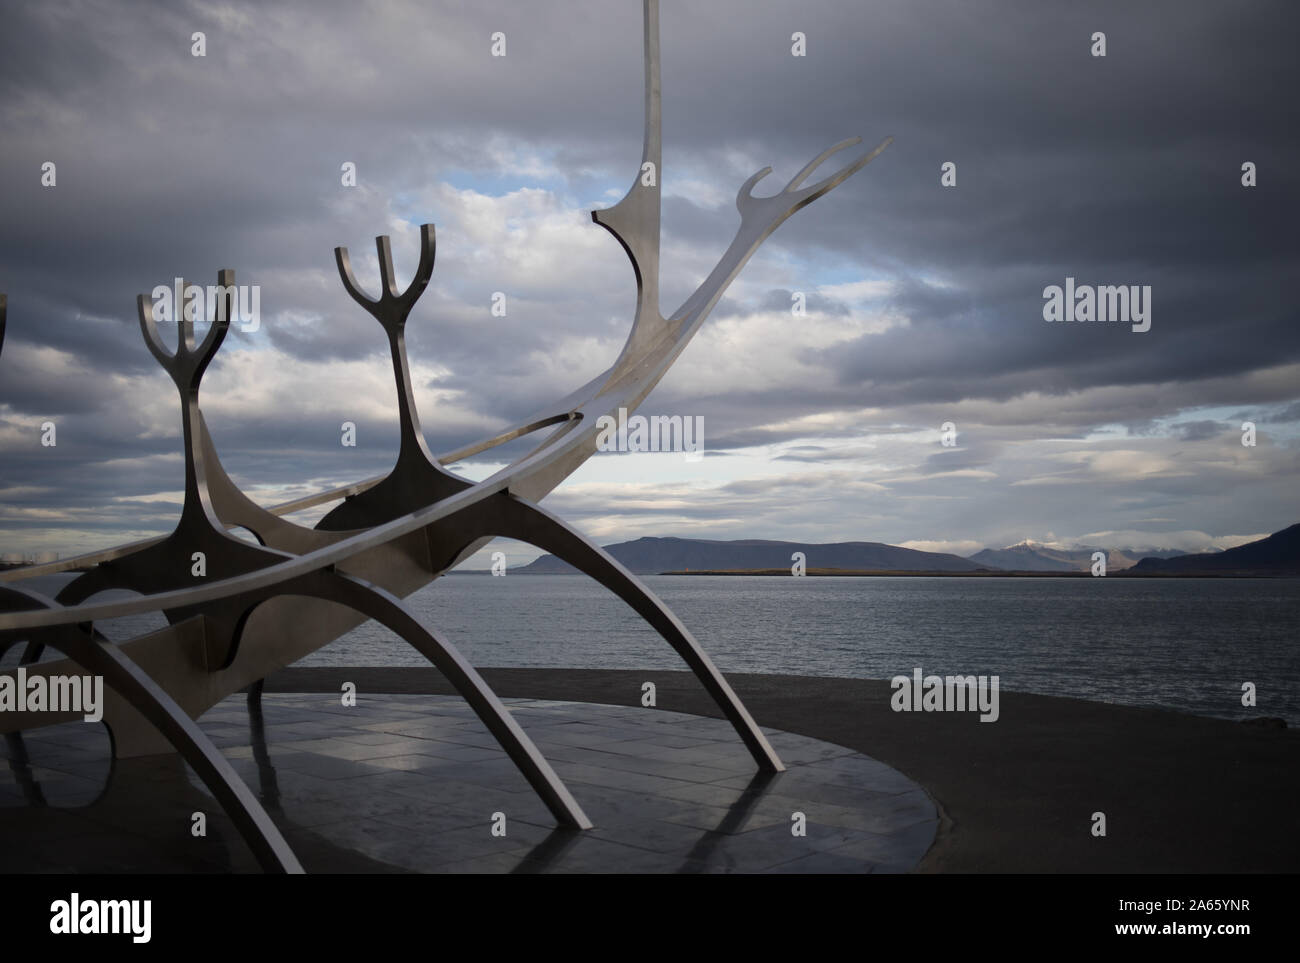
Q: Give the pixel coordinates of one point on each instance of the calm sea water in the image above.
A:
(1185, 644)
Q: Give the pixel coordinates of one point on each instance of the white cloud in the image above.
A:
(962, 547)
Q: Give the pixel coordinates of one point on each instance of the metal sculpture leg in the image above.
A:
(511, 517)
(87, 647)
(20, 766)
(133, 684)
(386, 609)
(261, 755)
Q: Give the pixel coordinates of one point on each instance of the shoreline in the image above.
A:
(980, 573)
(908, 573)
(1181, 793)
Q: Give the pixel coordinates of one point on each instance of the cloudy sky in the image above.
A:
(925, 302)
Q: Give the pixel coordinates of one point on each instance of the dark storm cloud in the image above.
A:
(1117, 170)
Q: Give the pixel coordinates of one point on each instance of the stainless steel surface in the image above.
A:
(260, 608)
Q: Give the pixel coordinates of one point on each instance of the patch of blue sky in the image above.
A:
(501, 184)
(816, 270)
(1229, 416)
(584, 193)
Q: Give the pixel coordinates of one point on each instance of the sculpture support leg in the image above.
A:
(389, 611)
(20, 766)
(513, 517)
(134, 684)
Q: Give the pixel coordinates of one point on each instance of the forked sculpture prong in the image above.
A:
(389, 296)
(187, 363)
(790, 198)
(418, 477)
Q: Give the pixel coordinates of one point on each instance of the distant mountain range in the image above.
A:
(1033, 557)
(650, 556)
(1278, 554)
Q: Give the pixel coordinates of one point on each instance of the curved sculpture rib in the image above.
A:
(134, 685)
(124, 676)
(511, 517)
(375, 603)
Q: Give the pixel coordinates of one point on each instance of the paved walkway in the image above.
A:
(1181, 793)
(416, 783)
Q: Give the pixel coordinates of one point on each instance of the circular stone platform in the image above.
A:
(415, 783)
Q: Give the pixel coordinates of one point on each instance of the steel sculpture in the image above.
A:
(261, 607)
